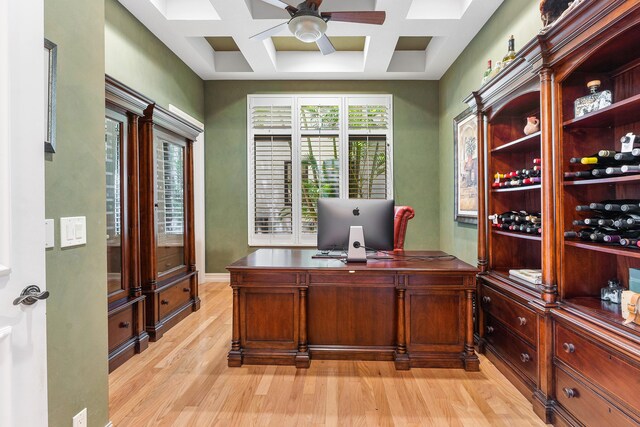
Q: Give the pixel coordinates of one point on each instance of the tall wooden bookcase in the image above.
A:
(563, 347)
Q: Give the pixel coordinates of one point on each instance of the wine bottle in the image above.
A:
(618, 235)
(487, 73)
(578, 174)
(537, 161)
(627, 221)
(624, 157)
(528, 181)
(630, 207)
(630, 243)
(583, 234)
(511, 52)
(630, 168)
(599, 234)
(594, 159)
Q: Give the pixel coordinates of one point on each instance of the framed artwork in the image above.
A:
(50, 62)
(465, 148)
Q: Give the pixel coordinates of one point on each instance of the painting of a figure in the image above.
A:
(466, 167)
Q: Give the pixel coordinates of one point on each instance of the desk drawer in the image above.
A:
(121, 327)
(352, 278)
(521, 355)
(601, 365)
(585, 405)
(174, 297)
(517, 317)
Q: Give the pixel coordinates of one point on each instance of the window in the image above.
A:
(302, 147)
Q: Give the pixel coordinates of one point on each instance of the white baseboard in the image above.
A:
(216, 277)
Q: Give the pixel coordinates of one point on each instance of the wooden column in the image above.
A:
(549, 288)
(401, 356)
(302, 358)
(234, 359)
(133, 197)
(482, 180)
(471, 361)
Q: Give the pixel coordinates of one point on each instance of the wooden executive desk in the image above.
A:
(289, 308)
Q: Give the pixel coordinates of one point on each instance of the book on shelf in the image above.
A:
(528, 275)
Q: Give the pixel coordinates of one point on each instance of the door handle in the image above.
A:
(30, 295)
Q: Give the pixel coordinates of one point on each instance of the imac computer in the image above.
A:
(354, 225)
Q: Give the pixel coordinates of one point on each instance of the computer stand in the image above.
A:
(356, 251)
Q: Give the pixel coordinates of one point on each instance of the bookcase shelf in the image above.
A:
(617, 114)
(609, 249)
(515, 189)
(611, 180)
(516, 235)
(526, 143)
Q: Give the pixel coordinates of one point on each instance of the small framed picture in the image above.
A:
(50, 62)
(465, 148)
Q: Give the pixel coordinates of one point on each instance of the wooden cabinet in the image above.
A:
(169, 277)
(586, 371)
(127, 334)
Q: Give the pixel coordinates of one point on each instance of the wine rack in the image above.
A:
(597, 40)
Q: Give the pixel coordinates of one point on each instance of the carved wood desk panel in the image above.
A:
(289, 308)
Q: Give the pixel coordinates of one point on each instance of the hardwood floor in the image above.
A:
(183, 380)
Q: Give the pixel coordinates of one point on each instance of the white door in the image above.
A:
(23, 367)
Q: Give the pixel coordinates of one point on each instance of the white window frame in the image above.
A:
(295, 101)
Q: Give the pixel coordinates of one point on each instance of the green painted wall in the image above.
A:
(518, 17)
(137, 58)
(415, 157)
(75, 186)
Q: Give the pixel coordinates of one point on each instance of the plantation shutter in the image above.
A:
(271, 218)
(273, 185)
(319, 124)
(369, 147)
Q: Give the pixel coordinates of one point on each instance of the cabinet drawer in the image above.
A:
(512, 348)
(121, 327)
(173, 297)
(588, 407)
(599, 364)
(519, 318)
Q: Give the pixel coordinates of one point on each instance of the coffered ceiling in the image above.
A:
(419, 40)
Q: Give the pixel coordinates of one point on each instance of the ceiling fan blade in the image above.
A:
(268, 33)
(282, 5)
(325, 45)
(373, 17)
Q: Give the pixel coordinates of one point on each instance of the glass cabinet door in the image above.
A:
(169, 152)
(115, 126)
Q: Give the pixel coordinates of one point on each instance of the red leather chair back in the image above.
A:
(402, 216)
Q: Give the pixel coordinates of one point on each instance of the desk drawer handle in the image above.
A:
(568, 347)
(486, 299)
(490, 330)
(164, 302)
(525, 357)
(124, 325)
(570, 392)
(186, 289)
(522, 321)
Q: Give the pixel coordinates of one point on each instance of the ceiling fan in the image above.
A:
(308, 24)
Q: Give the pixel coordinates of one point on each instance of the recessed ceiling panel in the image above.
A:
(342, 44)
(187, 10)
(438, 9)
(223, 44)
(412, 43)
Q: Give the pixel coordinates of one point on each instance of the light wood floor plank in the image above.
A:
(183, 380)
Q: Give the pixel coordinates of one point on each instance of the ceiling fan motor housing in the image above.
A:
(307, 26)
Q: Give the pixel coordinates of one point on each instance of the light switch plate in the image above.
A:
(73, 231)
(49, 233)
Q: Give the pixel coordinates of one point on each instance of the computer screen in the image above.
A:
(336, 216)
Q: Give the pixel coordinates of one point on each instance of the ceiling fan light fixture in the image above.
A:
(307, 28)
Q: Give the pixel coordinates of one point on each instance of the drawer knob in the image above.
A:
(164, 302)
(186, 289)
(570, 392)
(486, 299)
(490, 329)
(522, 321)
(124, 325)
(568, 347)
(525, 357)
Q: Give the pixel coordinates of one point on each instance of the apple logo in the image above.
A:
(356, 212)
